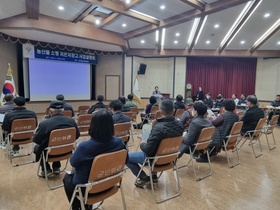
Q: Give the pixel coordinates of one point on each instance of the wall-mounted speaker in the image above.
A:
(142, 68)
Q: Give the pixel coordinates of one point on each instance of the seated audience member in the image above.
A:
(223, 123)
(242, 99)
(130, 102)
(252, 115)
(125, 108)
(153, 102)
(98, 105)
(165, 127)
(9, 104)
(179, 104)
(19, 112)
(118, 116)
(275, 103)
(219, 101)
(187, 116)
(198, 123)
(208, 101)
(199, 94)
(101, 141)
(42, 134)
(66, 106)
(234, 98)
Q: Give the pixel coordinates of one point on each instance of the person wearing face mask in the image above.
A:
(208, 101)
(198, 123)
(219, 101)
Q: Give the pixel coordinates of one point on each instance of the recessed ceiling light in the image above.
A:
(278, 42)
(266, 15)
(124, 25)
(216, 25)
(97, 20)
(142, 41)
(242, 42)
(61, 8)
(175, 42)
(177, 34)
(127, 1)
(207, 42)
(162, 7)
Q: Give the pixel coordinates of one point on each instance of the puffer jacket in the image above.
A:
(166, 127)
(251, 118)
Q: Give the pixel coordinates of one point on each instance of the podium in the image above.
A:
(165, 95)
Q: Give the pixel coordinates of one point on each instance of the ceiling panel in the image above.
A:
(256, 25)
(131, 24)
(72, 8)
(149, 39)
(216, 35)
(61, 39)
(184, 31)
(11, 8)
(172, 7)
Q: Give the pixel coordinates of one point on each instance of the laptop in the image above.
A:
(2, 118)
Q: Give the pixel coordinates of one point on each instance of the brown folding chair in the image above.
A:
(203, 141)
(67, 113)
(149, 117)
(122, 130)
(178, 113)
(105, 180)
(83, 109)
(61, 145)
(22, 132)
(165, 159)
(267, 130)
(231, 141)
(83, 122)
(254, 136)
(131, 116)
(240, 115)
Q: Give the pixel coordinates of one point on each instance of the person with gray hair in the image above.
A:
(165, 127)
(42, 134)
(252, 115)
(9, 105)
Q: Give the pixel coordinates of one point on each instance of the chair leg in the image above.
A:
(210, 169)
(252, 144)
(123, 198)
(273, 138)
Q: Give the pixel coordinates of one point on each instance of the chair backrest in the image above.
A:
(170, 147)
(234, 135)
(153, 112)
(259, 126)
(179, 112)
(134, 111)
(67, 113)
(122, 130)
(240, 115)
(105, 166)
(273, 122)
(204, 138)
(83, 109)
(129, 114)
(83, 122)
(61, 141)
(23, 128)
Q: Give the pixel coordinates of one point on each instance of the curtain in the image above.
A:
(222, 75)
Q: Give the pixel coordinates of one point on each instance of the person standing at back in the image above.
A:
(252, 115)
(66, 106)
(9, 105)
(199, 94)
(42, 134)
(19, 112)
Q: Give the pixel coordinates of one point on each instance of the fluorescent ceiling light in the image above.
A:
(201, 28)
(267, 32)
(140, 13)
(162, 37)
(237, 21)
(157, 36)
(194, 27)
(103, 10)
